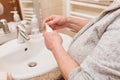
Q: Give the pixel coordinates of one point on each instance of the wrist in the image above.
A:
(56, 48)
(68, 21)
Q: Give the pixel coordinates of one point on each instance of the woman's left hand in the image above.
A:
(52, 40)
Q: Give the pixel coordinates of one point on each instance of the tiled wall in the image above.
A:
(51, 7)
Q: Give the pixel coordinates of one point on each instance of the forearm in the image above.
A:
(79, 22)
(65, 62)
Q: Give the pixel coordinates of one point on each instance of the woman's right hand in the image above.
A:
(52, 40)
(5, 76)
(56, 22)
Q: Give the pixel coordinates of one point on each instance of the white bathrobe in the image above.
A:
(96, 47)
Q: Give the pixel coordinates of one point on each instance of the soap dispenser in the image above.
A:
(16, 16)
(34, 27)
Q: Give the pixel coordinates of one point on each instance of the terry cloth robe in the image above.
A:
(96, 47)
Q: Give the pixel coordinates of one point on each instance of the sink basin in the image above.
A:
(29, 59)
(6, 37)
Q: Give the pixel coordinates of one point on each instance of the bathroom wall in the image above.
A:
(55, 7)
(51, 7)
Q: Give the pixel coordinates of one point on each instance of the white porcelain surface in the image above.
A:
(7, 37)
(14, 57)
(12, 35)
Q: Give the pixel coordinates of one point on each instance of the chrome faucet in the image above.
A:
(22, 36)
(4, 26)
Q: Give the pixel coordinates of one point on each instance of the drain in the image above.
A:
(26, 49)
(32, 64)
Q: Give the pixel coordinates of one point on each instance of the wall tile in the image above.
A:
(51, 7)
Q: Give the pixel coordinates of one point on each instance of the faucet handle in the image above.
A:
(21, 27)
(21, 33)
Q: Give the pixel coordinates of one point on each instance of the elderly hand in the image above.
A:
(56, 22)
(52, 40)
(5, 76)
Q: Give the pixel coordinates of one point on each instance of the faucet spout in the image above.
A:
(4, 26)
(22, 36)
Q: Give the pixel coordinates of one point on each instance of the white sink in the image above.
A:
(28, 60)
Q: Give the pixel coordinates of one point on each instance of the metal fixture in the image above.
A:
(22, 36)
(4, 26)
(32, 64)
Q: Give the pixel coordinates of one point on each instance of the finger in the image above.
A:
(43, 25)
(49, 18)
(53, 21)
(44, 34)
(46, 21)
(9, 77)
